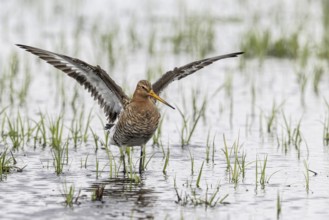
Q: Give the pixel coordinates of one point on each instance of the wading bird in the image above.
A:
(131, 121)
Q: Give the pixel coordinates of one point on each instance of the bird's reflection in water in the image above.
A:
(124, 195)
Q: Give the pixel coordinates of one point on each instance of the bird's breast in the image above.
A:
(136, 125)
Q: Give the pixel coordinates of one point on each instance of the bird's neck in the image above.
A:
(139, 98)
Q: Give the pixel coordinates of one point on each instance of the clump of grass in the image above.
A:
(13, 85)
(68, 194)
(41, 128)
(262, 179)
(6, 164)
(261, 173)
(150, 158)
(285, 47)
(56, 131)
(256, 43)
(235, 169)
(227, 154)
(105, 141)
(272, 116)
(166, 161)
(60, 155)
(212, 146)
(292, 136)
(30, 129)
(194, 34)
(199, 176)
(261, 43)
(212, 202)
(87, 125)
(157, 135)
(79, 129)
(84, 162)
(95, 138)
(239, 168)
(196, 110)
(133, 176)
(188, 126)
(207, 148)
(16, 131)
(208, 200)
(112, 164)
(75, 132)
(75, 97)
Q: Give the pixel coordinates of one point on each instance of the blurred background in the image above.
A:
(249, 138)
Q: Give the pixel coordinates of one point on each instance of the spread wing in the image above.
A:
(110, 96)
(188, 69)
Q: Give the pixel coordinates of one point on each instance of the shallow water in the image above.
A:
(75, 29)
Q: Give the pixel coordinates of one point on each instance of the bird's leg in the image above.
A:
(142, 160)
(122, 157)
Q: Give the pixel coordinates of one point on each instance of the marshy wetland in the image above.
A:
(249, 138)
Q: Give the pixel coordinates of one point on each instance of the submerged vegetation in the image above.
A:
(69, 195)
(6, 163)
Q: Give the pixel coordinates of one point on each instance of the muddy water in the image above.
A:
(232, 111)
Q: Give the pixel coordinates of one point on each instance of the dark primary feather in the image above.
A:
(110, 96)
(188, 69)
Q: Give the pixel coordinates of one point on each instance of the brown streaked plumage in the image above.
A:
(139, 120)
(136, 118)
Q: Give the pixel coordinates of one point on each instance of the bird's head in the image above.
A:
(144, 90)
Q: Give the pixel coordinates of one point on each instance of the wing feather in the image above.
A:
(94, 79)
(183, 71)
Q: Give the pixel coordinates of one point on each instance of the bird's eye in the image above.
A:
(144, 87)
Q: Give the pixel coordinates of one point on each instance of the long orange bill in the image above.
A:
(152, 93)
